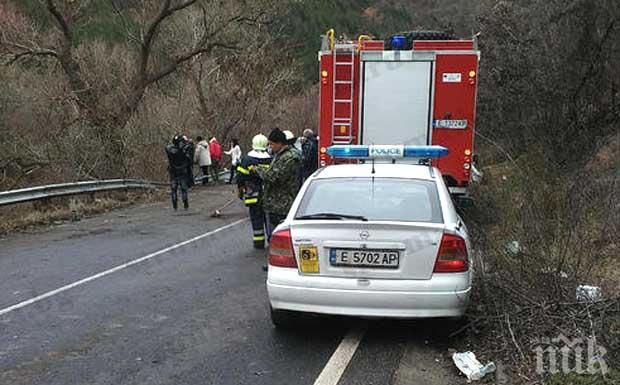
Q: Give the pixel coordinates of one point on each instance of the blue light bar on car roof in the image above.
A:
(386, 152)
(429, 152)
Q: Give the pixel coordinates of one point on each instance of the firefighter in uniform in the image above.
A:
(251, 186)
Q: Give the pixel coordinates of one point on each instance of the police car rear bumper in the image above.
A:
(444, 295)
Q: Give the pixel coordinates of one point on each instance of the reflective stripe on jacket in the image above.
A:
(249, 181)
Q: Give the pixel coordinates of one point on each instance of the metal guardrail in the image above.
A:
(64, 189)
(221, 174)
(56, 190)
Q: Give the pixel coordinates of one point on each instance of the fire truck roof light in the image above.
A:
(398, 42)
(386, 152)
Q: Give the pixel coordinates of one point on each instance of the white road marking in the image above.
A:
(115, 269)
(337, 364)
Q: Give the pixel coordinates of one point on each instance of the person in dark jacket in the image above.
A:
(281, 179)
(251, 186)
(310, 151)
(180, 158)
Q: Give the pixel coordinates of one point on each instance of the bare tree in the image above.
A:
(237, 93)
(154, 59)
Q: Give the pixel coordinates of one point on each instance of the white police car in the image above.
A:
(371, 240)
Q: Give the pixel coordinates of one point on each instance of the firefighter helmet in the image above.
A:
(259, 142)
(290, 137)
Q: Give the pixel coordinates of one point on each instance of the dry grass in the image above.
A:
(29, 215)
(565, 226)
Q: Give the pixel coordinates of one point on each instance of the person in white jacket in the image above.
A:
(202, 156)
(235, 155)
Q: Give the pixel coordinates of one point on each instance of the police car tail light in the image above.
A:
(452, 255)
(281, 253)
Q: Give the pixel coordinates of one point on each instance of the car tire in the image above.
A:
(282, 319)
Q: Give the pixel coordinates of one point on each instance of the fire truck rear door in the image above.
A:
(397, 94)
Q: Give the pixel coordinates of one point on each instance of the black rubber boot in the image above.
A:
(185, 205)
(174, 205)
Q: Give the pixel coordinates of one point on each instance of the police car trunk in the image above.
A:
(374, 220)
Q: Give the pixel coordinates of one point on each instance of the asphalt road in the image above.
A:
(196, 314)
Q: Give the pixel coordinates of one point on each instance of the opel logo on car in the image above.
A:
(364, 235)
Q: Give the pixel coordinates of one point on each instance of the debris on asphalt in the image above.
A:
(261, 372)
(587, 293)
(471, 367)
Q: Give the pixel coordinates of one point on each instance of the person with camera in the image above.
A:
(180, 159)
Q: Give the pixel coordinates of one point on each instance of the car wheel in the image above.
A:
(282, 319)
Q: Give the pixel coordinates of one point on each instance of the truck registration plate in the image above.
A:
(454, 124)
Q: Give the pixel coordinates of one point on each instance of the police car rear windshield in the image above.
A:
(381, 199)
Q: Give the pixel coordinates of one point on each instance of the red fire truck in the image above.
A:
(416, 88)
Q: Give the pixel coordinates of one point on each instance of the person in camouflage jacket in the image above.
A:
(281, 179)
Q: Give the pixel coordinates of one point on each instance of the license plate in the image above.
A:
(309, 258)
(364, 258)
